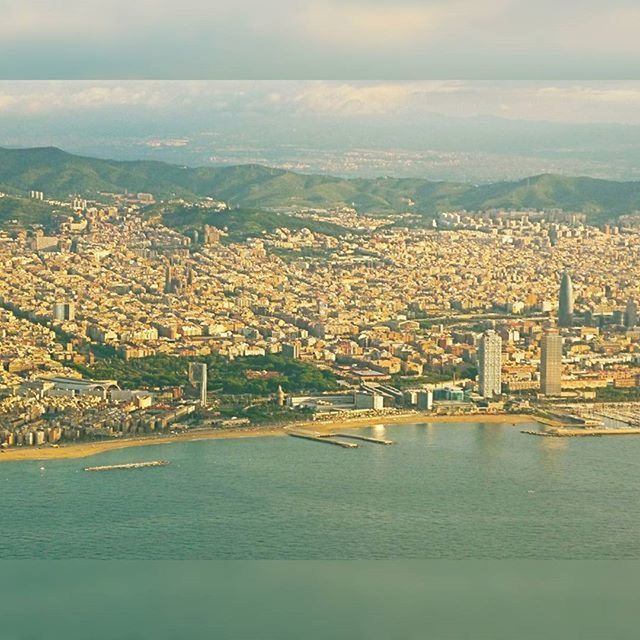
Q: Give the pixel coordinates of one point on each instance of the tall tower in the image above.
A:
(198, 376)
(631, 314)
(168, 279)
(551, 363)
(565, 310)
(490, 364)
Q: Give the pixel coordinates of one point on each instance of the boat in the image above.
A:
(129, 465)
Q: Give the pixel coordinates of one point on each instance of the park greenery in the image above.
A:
(24, 212)
(255, 375)
(618, 394)
(239, 224)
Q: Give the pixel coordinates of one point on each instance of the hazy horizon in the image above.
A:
(444, 130)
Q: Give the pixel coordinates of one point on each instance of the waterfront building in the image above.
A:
(198, 377)
(490, 364)
(425, 400)
(551, 363)
(565, 310)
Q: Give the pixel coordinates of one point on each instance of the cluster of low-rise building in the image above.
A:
(389, 302)
(48, 410)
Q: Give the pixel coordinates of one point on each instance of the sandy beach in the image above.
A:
(86, 449)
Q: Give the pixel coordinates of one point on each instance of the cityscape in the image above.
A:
(319, 319)
(115, 325)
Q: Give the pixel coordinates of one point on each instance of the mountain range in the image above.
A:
(59, 174)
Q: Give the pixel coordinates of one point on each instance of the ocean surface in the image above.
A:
(468, 490)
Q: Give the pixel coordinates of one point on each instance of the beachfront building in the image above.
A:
(490, 364)
(551, 363)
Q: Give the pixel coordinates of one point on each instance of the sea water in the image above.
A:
(454, 490)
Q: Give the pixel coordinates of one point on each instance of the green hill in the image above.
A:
(59, 174)
(24, 211)
(239, 223)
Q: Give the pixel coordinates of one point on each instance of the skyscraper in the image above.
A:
(631, 314)
(565, 310)
(198, 377)
(551, 363)
(490, 364)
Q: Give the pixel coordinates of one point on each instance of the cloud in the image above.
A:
(276, 97)
(367, 99)
(45, 97)
(560, 102)
(613, 94)
(39, 97)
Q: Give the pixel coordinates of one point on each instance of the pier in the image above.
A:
(355, 436)
(130, 465)
(322, 438)
(583, 433)
(620, 416)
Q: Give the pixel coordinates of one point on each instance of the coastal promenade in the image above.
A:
(86, 449)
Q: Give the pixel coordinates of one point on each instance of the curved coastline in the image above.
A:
(87, 449)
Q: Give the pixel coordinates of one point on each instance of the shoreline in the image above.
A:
(87, 449)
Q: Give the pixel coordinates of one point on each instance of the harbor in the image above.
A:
(130, 465)
(591, 420)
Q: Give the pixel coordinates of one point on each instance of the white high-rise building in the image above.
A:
(551, 363)
(490, 364)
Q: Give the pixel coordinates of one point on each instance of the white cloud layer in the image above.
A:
(366, 99)
(560, 102)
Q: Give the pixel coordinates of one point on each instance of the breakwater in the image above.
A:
(130, 465)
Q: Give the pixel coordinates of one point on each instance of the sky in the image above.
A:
(320, 39)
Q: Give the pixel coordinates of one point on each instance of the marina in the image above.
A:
(130, 465)
(624, 417)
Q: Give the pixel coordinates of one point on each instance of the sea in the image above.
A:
(442, 491)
